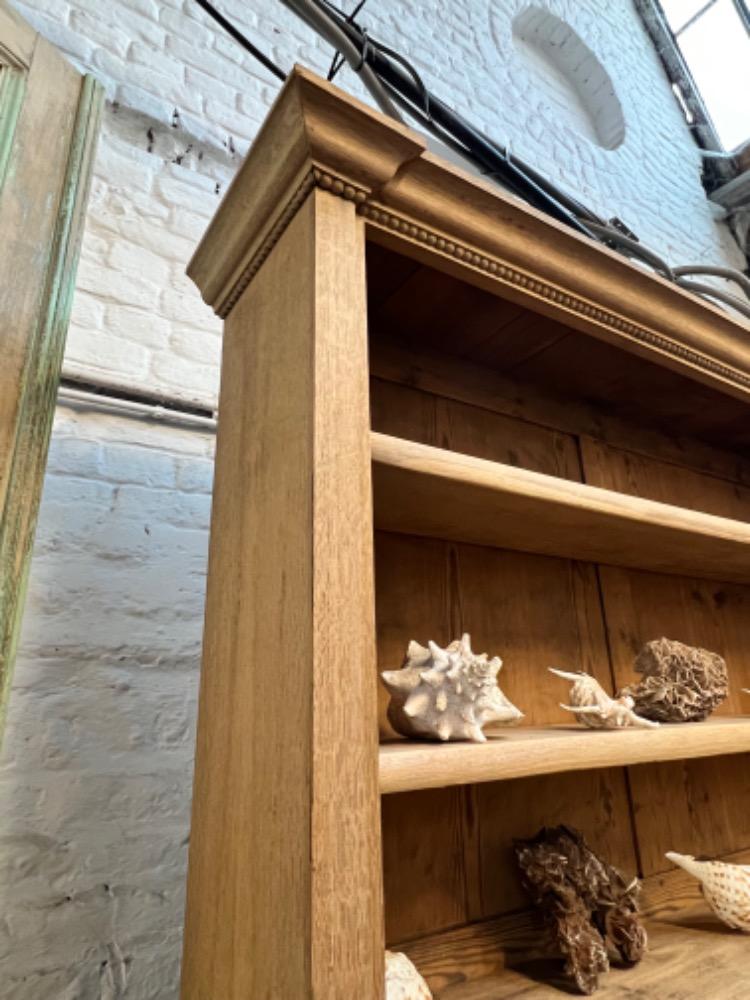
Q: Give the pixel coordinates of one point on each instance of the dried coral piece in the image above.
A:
(446, 694)
(585, 901)
(402, 981)
(726, 888)
(680, 683)
(593, 707)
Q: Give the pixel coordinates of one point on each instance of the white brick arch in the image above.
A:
(569, 75)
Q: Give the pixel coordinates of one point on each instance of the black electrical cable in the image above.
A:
(239, 37)
(398, 84)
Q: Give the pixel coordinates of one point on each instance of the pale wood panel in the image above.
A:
(702, 805)
(432, 491)
(284, 895)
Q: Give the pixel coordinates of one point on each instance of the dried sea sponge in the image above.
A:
(680, 683)
(586, 902)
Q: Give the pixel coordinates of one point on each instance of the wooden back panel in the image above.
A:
(447, 852)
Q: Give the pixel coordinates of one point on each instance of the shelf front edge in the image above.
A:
(427, 491)
(525, 752)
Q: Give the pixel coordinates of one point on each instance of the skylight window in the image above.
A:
(714, 39)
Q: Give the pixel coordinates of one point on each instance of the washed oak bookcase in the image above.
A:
(441, 412)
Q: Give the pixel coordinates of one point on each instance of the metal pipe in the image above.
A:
(131, 408)
(730, 273)
(633, 247)
(708, 291)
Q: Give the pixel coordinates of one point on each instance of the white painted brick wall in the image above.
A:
(97, 769)
(95, 780)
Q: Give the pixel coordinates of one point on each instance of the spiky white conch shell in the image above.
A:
(726, 888)
(593, 707)
(446, 694)
(402, 981)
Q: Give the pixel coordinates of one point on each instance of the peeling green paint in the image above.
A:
(41, 378)
(12, 89)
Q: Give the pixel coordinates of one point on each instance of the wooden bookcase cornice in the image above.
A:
(413, 201)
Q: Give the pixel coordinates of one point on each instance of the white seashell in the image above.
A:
(402, 981)
(726, 888)
(593, 707)
(446, 694)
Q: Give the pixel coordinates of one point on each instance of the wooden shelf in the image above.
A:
(407, 765)
(691, 956)
(421, 490)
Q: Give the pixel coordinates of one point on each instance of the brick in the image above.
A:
(209, 86)
(56, 31)
(140, 325)
(103, 34)
(88, 311)
(196, 345)
(180, 191)
(98, 352)
(131, 290)
(135, 260)
(187, 308)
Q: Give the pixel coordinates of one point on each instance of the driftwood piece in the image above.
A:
(586, 902)
(680, 683)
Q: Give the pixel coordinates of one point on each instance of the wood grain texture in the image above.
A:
(509, 956)
(43, 200)
(425, 875)
(528, 750)
(449, 377)
(428, 588)
(285, 891)
(690, 957)
(702, 804)
(17, 38)
(429, 491)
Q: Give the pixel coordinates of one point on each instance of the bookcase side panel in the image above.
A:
(284, 878)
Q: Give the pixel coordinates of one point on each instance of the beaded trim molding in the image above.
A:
(504, 272)
(387, 219)
(313, 178)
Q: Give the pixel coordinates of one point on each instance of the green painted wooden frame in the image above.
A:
(42, 373)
